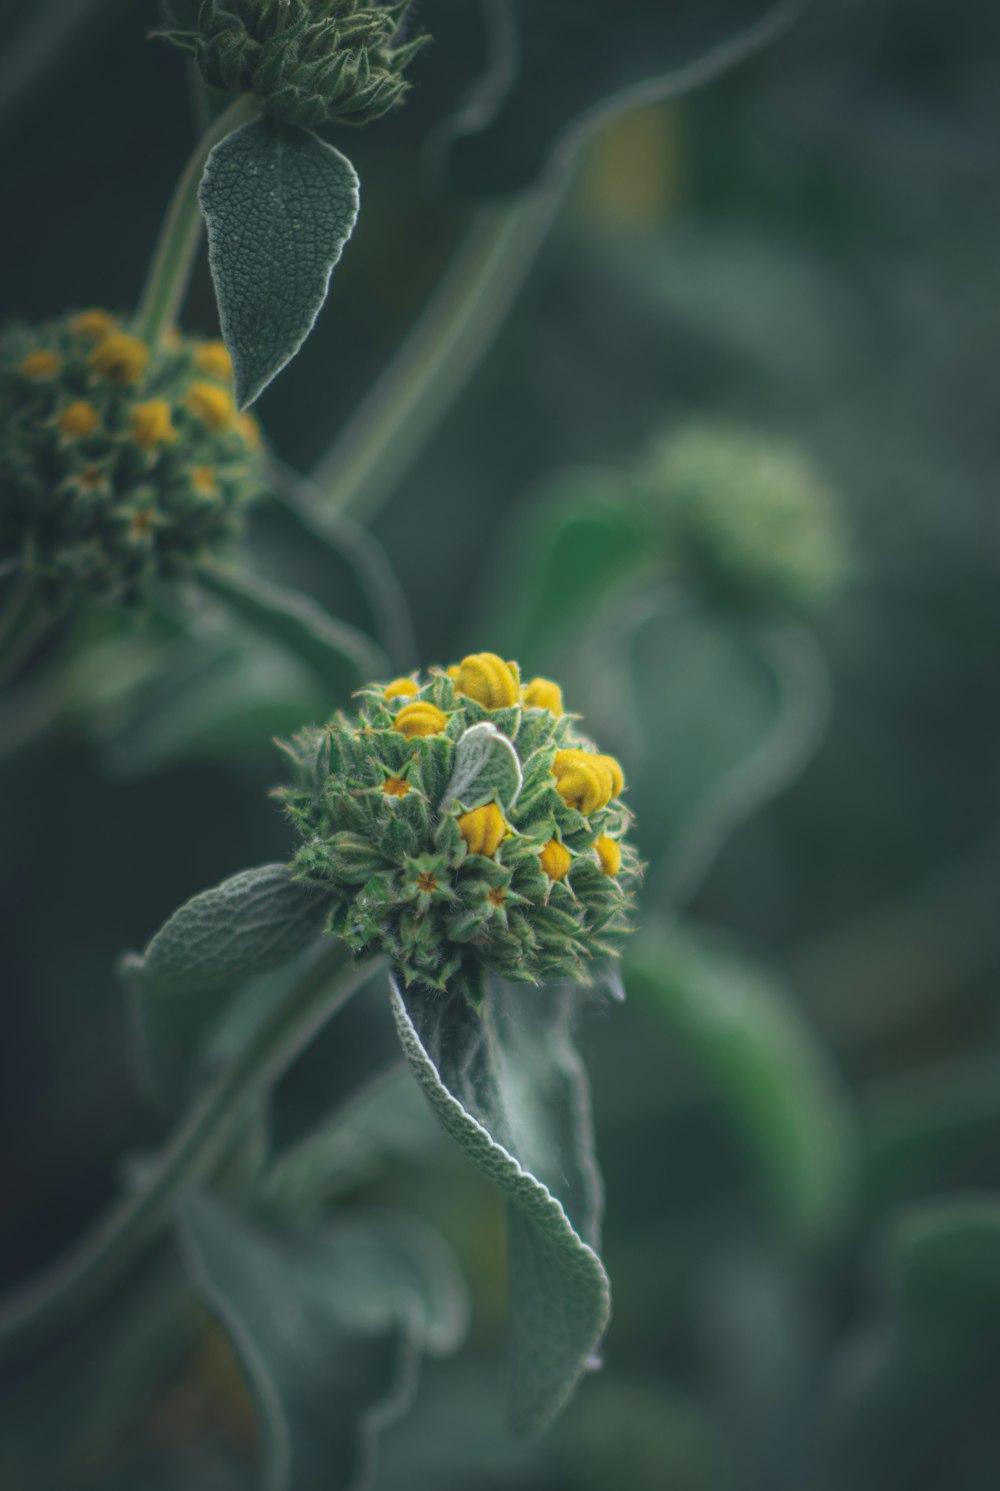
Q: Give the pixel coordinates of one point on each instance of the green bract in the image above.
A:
(119, 466)
(305, 62)
(389, 825)
(751, 517)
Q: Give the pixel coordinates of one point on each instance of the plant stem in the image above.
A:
(22, 622)
(173, 257)
(412, 396)
(63, 1292)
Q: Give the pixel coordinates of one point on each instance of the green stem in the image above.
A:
(63, 1292)
(412, 396)
(173, 257)
(22, 622)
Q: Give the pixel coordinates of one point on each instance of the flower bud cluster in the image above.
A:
(306, 62)
(446, 874)
(120, 465)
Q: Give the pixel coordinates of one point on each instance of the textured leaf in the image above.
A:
(209, 950)
(739, 1028)
(559, 67)
(341, 657)
(509, 1088)
(329, 1323)
(486, 767)
(279, 205)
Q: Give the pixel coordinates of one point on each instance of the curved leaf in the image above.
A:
(945, 1257)
(560, 67)
(279, 205)
(740, 1030)
(486, 767)
(509, 1088)
(329, 1323)
(212, 947)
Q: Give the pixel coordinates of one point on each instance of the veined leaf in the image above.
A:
(279, 205)
(486, 766)
(509, 1088)
(329, 1322)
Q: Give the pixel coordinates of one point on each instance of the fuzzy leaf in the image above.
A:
(740, 1031)
(208, 951)
(560, 67)
(508, 1086)
(279, 205)
(329, 1322)
(485, 768)
(341, 657)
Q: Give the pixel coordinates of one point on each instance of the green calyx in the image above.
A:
(121, 466)
(305, 62)
(386, 839)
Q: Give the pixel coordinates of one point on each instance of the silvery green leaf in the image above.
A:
(207, 953)
(279, 205)
(508, 1086)
(329, 1322)
(486, 768)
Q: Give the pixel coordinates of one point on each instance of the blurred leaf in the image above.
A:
(329, 1323)
(740, 1029)
(568, 544)
(560, 67)
(945, 1257)
(341, 657)
(207, 952)
(509, 1088)
(485, 767)
(279, 205)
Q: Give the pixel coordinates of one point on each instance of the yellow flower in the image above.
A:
(152, 425)
(250, 430)
(93, 326)
(542, 693)
(488, 680)
(396, 787)
(78, 420)
(399, 688)
(483, 830)
(38, 366)
(204, 482)
(120, 358)
(211, 404)
(555, 859)
(213, 360)
(420, 718)
(609, 854)
(617, 775)
(452, 672)
(583, 780)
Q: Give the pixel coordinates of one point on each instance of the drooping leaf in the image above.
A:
(486, 767)
(211, 949)
(738, 1027)
(339, 656)
(509, 1088)
(329, 1322)
(559, 67)
(279, 205)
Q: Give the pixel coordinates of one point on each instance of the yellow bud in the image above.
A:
(609, 854)
(420, 718)
(250, 430)
(396, 787)
(212, 405)
(488, 680)
(152, 425)
(120, 358)
(38, 366)
(483, 830)
(555, 860)
(400, 688)
(204, 482)
(583, 780)
(617, 775)
(452, 672)
(213, 360)
(93, 326)
(78, 420)
(542, 693)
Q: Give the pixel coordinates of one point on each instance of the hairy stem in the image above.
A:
(412, 396)
(173, 257)
(63, 1292)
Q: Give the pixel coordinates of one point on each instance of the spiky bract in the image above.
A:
(306, 62)
(382, 837)
(120, 465)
